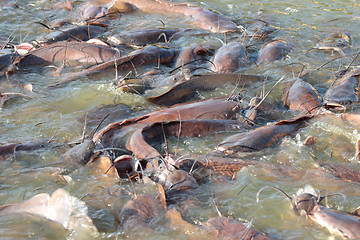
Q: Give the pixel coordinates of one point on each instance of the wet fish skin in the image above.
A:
(345, 225)
(345, 91)
(145, 37)
(137, 58)
(68, 52)
(81, 153)
(262, 137)
(274, 50)
(202, 18)
(141, 213)
(302, 97)
(228, 228)
(78, 33)
(229, 58)
(10, 149)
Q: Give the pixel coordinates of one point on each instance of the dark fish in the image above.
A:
(68, 52)
(344, 173)
(208, 165)
(81, 153)
(303, 97)
(129, 131)
(126, 166)
(187, 89)
(65, 5)
(274, 50)
(191, 57)
(180, 190)
(259, 29)
(265, 108)
(8, 150)
(228, 228)
(334, 41)
(142, 213)
(341, 223)
(139, 146)
(145, 37)
(146, 56)
(229, 58)
(262, 137)
(78, 33)
(92, 12)
(6, 63)
(115, 113)
(202, 18)
(345, 90)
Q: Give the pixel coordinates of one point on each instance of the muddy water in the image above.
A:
(58, 114)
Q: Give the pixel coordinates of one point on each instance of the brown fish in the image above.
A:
(262, 137)
(202, 18)
(209, 164)
(274, 50)
(78, 33)
(142, 213)
(138, 145)
(8, 150)
(186, 90)
(345, 90)
(336, 41)
(145, 37)
(344, 173)
(59, 208)
(65, 5)
(6, 63)
(229, 58)
(228, 228)
(207, 109)
(265, 108)
(302, 97)
(341, 223)
(146, 56)
(258, 28)
(92, 12)
(191, 57)
(68, 52)
(81, 153)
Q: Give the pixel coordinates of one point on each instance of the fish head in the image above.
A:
(306, 202)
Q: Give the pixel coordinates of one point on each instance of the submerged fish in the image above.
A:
(60, 207)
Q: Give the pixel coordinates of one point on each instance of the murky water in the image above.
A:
(58, 114)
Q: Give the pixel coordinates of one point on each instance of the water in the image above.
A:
(59, 114)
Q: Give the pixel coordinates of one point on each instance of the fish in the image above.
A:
(345, 90)
(68, 52)
(142, 213)
(337, 222)
(77, 33)
(229, 58)
(141, 38)
(10, 149)
(138, 142)
(336, 41)
(187, 89)
(262, 137)
(202, 18)
(229, 228)
(217, 108)
(137, 58)
(60, 207)
(302, 97)
(274, 50)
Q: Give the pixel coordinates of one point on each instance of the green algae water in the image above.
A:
(58, 114)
